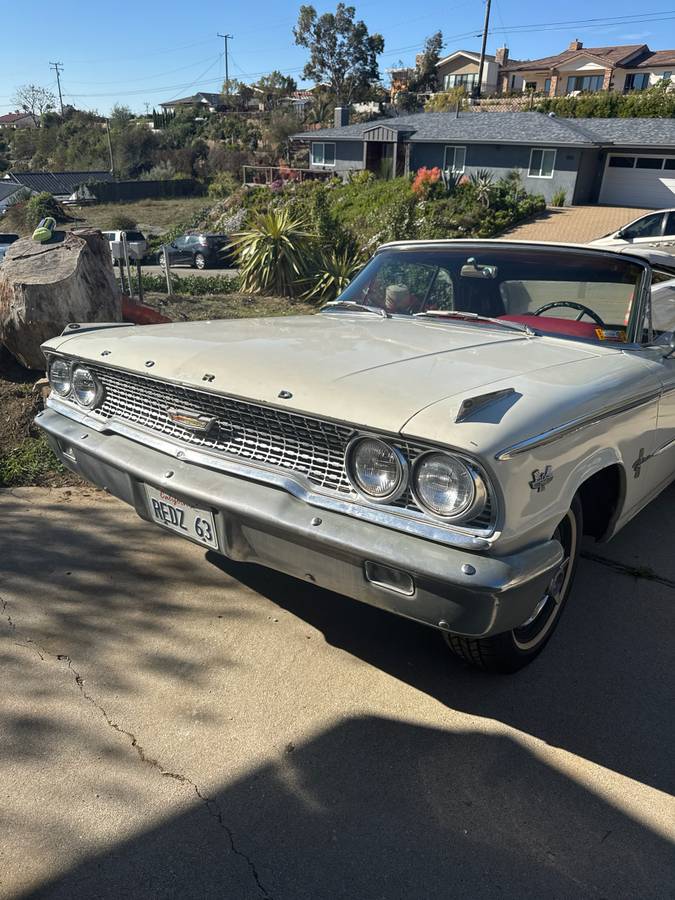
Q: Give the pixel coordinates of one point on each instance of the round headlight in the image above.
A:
(59, 377)
(375, 469)
(85, 387)
(444, 485)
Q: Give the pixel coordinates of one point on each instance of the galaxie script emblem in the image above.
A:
(540, 478)
(193, 421)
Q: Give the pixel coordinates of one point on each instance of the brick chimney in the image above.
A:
(575, 45)
(502, 56)
(341, 116)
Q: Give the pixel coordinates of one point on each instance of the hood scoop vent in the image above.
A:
(472, 405)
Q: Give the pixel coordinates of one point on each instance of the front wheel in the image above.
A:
(200, 261)
(514, 649)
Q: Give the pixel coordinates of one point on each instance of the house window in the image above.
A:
(455, 159)
(530, 85)
(636, 81)
(622, 162)
(586, 83)
(468, 80)
(547, 86)
(323, 154)
(667, 76)
(542, 163)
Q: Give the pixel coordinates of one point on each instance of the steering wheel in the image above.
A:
(584, 310)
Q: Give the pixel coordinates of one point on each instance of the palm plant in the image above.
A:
(272, 253)
(482, 183)
(335, 268)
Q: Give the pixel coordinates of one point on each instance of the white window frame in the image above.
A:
(542, 150)
(454, 148)
(324, 144)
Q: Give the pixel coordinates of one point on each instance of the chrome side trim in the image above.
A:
(293, 484)
(574, 425)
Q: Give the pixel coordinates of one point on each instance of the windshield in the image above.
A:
(573, 293)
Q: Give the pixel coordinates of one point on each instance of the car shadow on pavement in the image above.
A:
(603, 686)
(449, 814)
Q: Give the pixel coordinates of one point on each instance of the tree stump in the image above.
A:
(44, 287)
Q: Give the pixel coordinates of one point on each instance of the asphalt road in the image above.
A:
(177, 726)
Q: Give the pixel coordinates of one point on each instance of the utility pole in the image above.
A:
(110, 150)
(226, 38)
(57, 66)
(481, 64)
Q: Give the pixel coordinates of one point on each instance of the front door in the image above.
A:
(380, 158)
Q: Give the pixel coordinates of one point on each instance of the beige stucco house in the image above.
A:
(631, 67)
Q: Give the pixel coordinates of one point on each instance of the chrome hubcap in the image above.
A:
(537, 626)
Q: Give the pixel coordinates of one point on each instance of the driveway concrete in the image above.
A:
(177, 726)
(575, 224)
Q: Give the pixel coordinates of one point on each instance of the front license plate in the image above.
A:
(190, 521)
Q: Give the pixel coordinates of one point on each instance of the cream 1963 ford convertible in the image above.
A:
(435, 442)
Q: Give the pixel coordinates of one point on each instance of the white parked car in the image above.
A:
(136, 242)
(435, 442)
(656, 229)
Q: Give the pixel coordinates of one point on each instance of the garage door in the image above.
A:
(644, 181)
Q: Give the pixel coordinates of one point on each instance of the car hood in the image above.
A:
(358, 368)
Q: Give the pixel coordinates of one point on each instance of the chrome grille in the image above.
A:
(261, 434)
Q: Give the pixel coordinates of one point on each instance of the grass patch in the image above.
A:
(227, 306)
(27, 463)
(161, 213)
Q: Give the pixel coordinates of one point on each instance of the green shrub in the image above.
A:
(192, 285)
(122, 222)
(223, 185)
(558, 199)
(39, 207)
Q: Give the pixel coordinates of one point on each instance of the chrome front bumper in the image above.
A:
(461, 592)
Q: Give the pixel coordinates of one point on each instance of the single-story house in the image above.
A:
(18, 120)
(62, 185)
(625, 68)
(10, 192)
(210, 102)
(622, 162)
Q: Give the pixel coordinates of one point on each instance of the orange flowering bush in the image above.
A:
(425, 181)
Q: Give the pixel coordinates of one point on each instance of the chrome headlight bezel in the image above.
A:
(98, 389)
(401, 464)
(54, 360)
(467, 511)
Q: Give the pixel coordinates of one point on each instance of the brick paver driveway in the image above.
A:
(577, 224)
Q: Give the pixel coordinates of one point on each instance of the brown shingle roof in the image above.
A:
(654, 58)
(612, 56)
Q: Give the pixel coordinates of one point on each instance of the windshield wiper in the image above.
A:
(353, 306)
(476, 317)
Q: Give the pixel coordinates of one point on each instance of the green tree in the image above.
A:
(425, 77)
(274, 87)
(342, 52)
(120, 116)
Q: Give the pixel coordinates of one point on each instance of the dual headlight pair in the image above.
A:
(441, 483)
(76, 382)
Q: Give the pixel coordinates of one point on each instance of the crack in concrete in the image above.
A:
(643, 572)
(212, 806)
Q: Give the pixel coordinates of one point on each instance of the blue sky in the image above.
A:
(160, 50)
